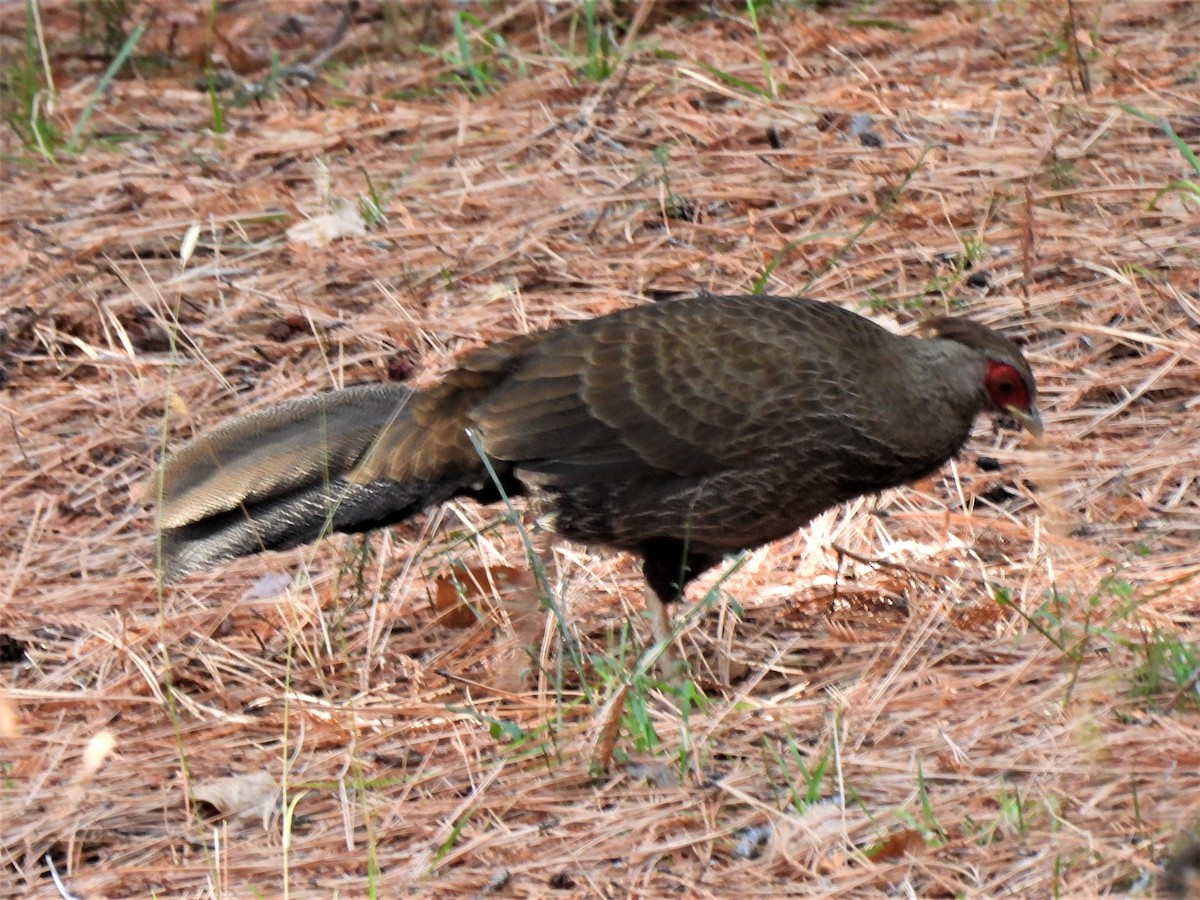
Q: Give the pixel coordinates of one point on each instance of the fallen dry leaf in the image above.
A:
(898, 845)
(457, 592)
(250, 796)
(328, 227)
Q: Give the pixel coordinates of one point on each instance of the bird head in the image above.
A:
(1007, 379)
(1013, 394)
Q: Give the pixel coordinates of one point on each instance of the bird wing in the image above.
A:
(685, 388)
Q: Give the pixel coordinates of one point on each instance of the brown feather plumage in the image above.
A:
(681, 431)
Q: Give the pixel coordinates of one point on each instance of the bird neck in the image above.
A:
(941, 384)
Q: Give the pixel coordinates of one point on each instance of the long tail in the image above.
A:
(287, 475)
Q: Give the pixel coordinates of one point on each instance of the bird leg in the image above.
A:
(671, 661)
(668, 564)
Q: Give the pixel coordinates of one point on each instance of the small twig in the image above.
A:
(1085, 78)
(335, 38)
(870, 561)
(58, 882)
(1188, 686)
(1027, 247)
(12, 422)
(470, 682)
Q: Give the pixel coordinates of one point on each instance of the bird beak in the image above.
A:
(1029, 419)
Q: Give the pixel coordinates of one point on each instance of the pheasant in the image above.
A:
(680, 431)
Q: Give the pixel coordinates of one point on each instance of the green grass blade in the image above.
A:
(102, 86)
(1165, 127)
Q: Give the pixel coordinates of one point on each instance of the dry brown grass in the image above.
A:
(939, 711)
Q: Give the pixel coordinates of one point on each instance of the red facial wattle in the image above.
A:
(1009, 392)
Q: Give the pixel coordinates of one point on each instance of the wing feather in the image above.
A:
(649, 393)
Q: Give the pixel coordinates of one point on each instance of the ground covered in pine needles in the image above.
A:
(982, 685)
